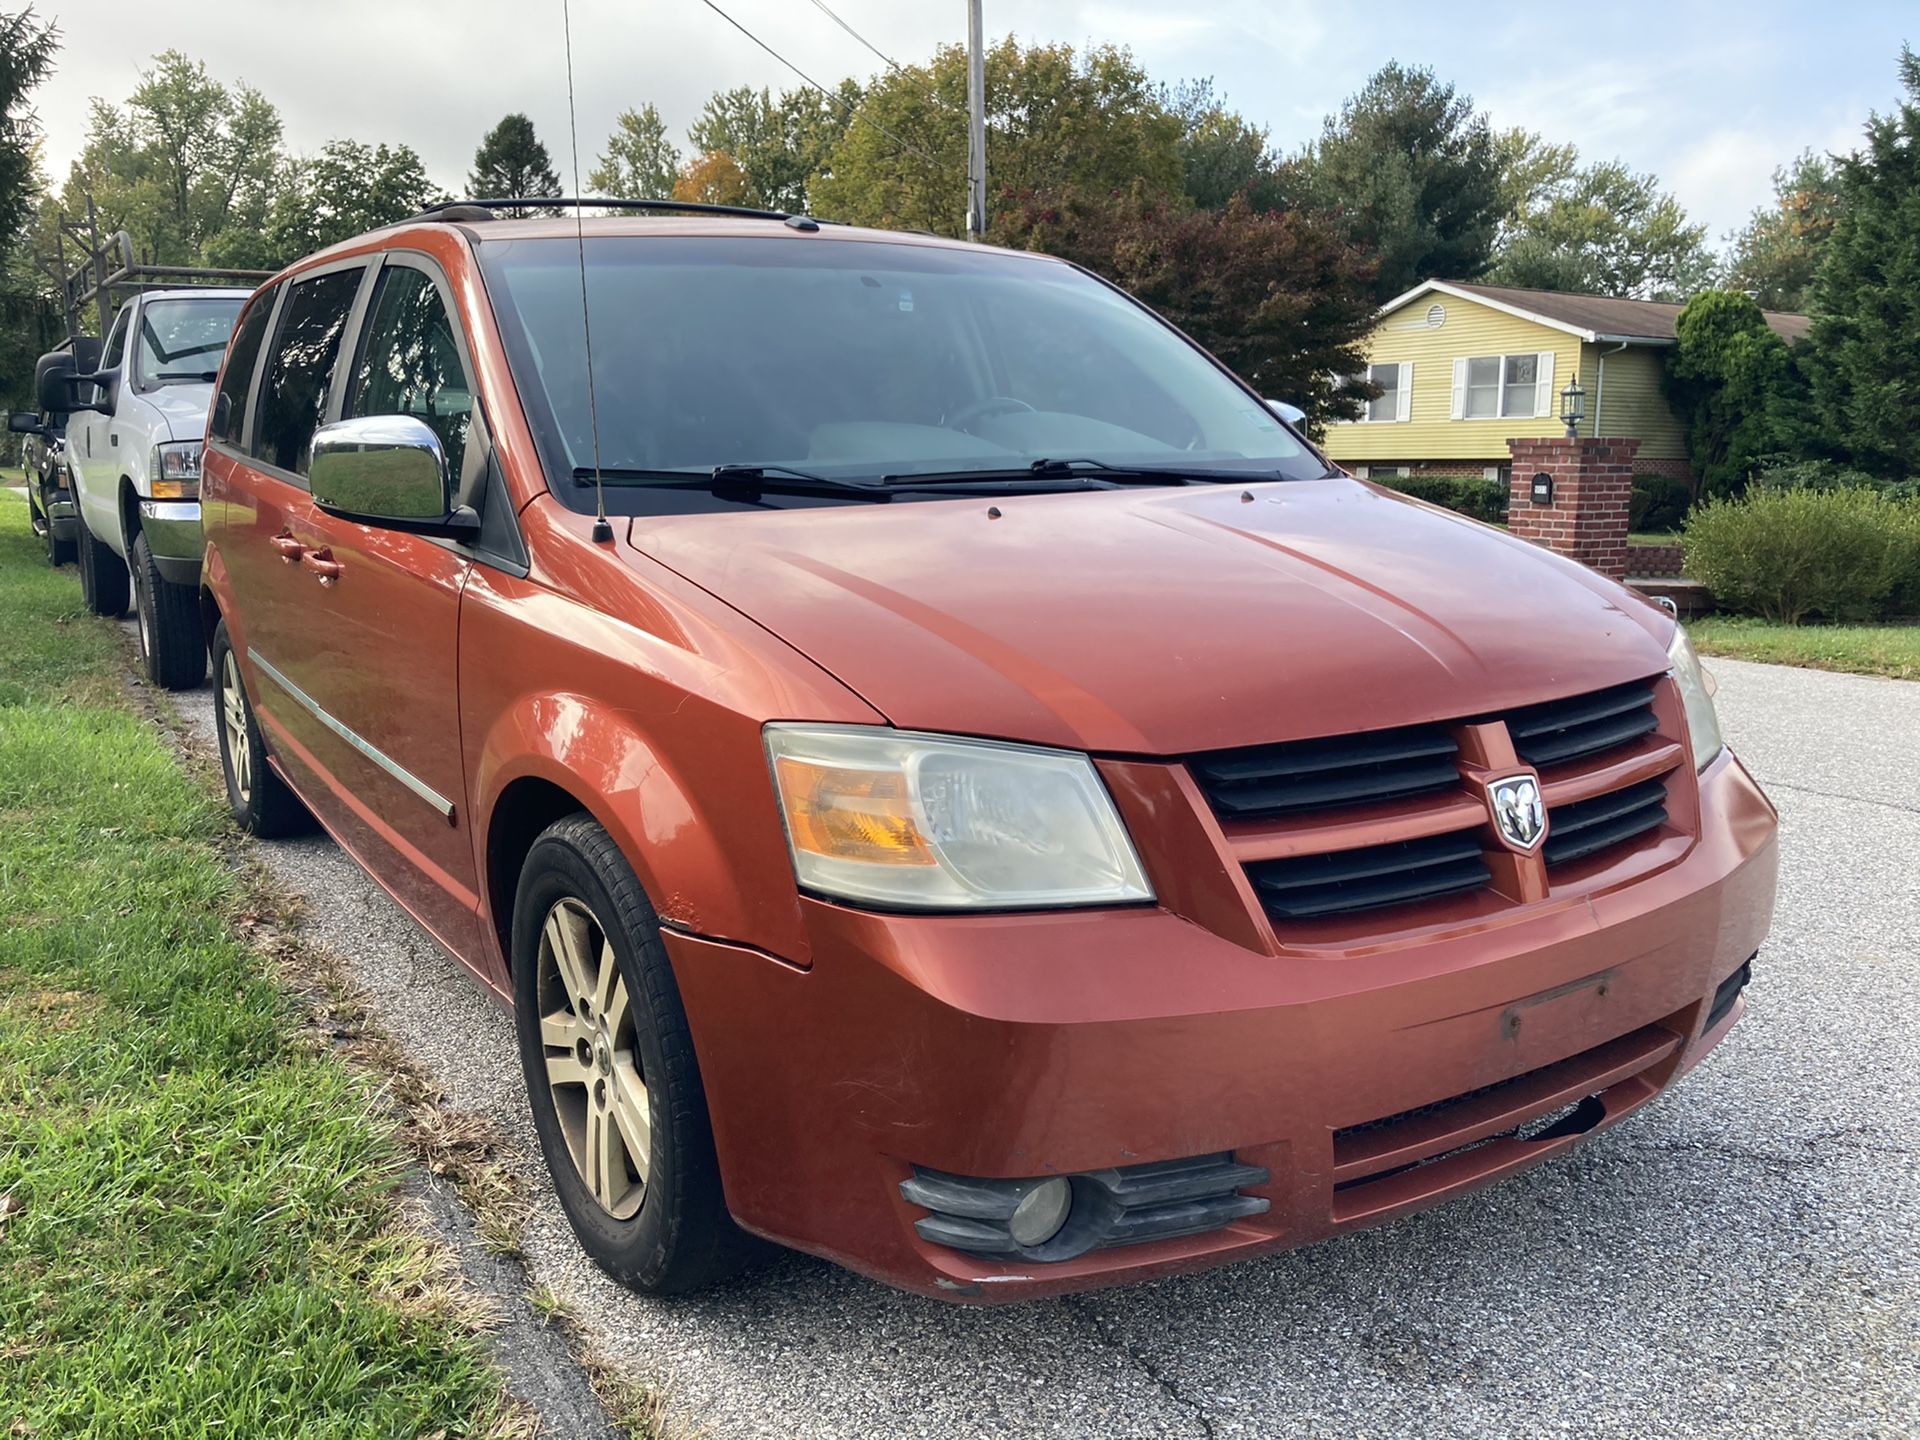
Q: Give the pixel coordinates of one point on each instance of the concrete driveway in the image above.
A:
(1742, 1259)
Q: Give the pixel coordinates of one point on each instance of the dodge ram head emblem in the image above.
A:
(1519, 813)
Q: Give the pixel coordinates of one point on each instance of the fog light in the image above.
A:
(1041, 1212)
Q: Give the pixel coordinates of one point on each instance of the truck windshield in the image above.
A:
(181, 341)
(857, 360)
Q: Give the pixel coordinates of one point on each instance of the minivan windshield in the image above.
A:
(181, 341)
(856, 359)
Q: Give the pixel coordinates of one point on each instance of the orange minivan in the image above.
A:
(944, 776)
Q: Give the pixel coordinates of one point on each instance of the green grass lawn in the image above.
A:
(198, 1233)
(1891, 650)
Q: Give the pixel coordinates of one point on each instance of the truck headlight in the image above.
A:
(931, 822)
(1696, 691)
(176, 470)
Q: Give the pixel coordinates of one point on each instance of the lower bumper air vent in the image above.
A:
(1062, 1216)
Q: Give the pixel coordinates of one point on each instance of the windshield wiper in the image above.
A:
(198, 377)
(1092, 475)
(785, 480)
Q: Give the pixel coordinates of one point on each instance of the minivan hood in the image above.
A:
(183, 408)
(1158, 621)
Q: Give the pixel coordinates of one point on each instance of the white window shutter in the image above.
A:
(1403, 397)
(1543, 384)
(1460, 388)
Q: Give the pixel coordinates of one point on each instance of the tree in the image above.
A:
(27, 48)
(779, 142)
(510, 162)
(714, 178)
(188, 167)
(1056, 118)
(1777, 253)
(347, 188)
(1864, 356)
(1221, 154)
(1732, 383)
(1283, 298)
(27, 321)
(1606, 231)
(1411, 169)
(1532, 171)
(640, 162)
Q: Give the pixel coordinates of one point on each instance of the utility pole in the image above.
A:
(976, 125)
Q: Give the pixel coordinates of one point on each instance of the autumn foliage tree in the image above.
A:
(714, 178)
(1281, 297)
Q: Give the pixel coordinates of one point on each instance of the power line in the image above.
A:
(891, 63)
(850, 111)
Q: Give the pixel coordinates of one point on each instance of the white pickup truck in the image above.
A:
(133, 448)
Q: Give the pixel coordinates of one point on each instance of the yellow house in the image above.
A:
(1462, 369)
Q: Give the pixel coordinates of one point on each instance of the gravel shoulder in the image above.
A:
(1741, 1259)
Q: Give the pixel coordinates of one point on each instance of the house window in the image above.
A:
(1395, 383)
(1503, 387)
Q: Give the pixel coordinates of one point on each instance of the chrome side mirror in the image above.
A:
(384, 469)
(1292, 414)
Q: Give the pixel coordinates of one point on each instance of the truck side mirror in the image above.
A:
(25, 422)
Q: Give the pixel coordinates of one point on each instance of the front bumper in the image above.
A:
(172, 528)
(63, 519)
(1009, 1046)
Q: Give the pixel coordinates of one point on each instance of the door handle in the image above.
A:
(290, 549)
(322, 564)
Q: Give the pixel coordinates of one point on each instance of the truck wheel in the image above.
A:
(259, 799)
(611, 1077)
(173, 650)
(103, 576)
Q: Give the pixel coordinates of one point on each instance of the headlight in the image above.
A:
(1696, 690)
(176, 470)
(928, 822)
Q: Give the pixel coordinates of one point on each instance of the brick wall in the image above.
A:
(1672, 469)
(1663, 561)
(1592, 490)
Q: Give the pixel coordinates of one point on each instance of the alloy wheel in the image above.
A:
(233, 719)
(593, 1064)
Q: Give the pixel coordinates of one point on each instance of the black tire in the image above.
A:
(259, 799)
(104, 582)
(681, 1237)
(173, 648)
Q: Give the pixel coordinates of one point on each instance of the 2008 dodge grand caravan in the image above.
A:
(990, 806)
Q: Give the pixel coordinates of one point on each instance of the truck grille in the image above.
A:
(1334, 828)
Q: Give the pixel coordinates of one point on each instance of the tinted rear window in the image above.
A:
(301, 371)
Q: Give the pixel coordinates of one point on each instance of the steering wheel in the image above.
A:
(966, 415)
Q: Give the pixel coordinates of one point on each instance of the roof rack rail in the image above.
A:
(470, 209)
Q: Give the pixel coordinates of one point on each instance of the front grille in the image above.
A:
(1374, 766)
(1130, 1205)
(1586, 827)
(1386, 818)
(1583, 726)
(1373, 876)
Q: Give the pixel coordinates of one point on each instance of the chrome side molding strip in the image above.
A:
(406, 777)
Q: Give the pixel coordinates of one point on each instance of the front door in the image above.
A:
(381, 614)
(93, 444)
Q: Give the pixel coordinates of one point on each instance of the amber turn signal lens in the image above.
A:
(176, 489)
(851, 814)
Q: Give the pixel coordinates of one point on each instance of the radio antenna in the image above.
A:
(602, 531)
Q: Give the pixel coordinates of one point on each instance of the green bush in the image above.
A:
(1472, 495)
(1787, 554)
(1659, 503)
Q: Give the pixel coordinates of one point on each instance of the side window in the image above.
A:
(116, 350)
(294, 398)
(410, 364)
(236, 379)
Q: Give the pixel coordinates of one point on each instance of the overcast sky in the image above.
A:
(1711, 97)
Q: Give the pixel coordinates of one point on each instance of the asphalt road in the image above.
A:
(1740, 1259)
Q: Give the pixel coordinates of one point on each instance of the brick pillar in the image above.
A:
(1592, 490)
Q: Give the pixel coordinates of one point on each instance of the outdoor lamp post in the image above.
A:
(1573, 407)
